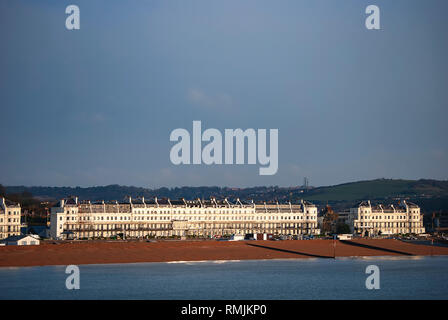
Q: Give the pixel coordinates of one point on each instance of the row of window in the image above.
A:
(14, 213)
(368, 211)
(214, 218)
(9, 229)
(13, 220)
(389, 224)
(198, 226)
(416, 217)
(112, 227)
(198, 212)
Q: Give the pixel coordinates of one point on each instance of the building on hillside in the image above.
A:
(10, 213)
(368, 220)
(23, 240)
(164, 217)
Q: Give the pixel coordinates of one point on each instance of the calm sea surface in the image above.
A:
(344, 278)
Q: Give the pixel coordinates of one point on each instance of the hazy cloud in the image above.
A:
(202, 99)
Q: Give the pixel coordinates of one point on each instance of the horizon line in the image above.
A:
(222, 187)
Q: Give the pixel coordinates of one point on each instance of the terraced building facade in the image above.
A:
(140, 218)
(380, 219)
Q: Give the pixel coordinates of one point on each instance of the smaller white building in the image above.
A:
(24, 240)
(403, 218)
(10, 213)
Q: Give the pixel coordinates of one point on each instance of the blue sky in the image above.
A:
(96, 106)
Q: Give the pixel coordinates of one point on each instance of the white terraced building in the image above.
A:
(164, 217)
(370, 220)
(9, 218)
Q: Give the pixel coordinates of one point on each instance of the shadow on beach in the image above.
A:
(357, 244)
(290, 251)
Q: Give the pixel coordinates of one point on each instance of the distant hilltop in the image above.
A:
(378, 189)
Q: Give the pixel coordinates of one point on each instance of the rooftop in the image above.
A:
(213, 202)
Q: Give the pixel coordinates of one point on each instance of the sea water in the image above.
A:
(342, 278)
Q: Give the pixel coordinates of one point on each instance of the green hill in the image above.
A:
(379, 189)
